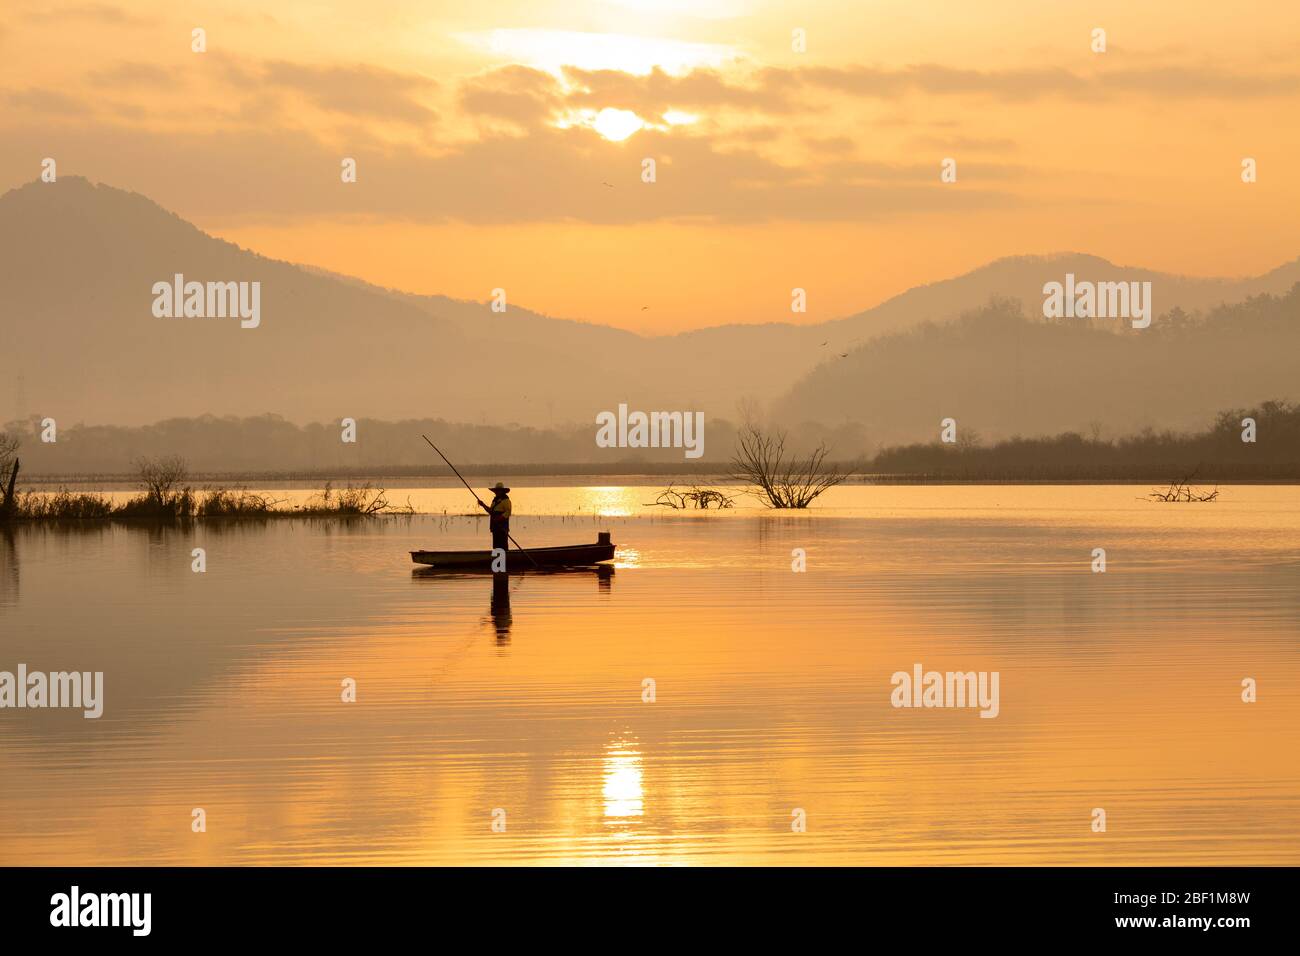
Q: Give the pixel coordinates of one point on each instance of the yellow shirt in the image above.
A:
(501, 509)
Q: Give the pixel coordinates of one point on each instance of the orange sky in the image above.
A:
(485, 136)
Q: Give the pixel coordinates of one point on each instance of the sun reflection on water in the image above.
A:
(623, 792)
(611, 501)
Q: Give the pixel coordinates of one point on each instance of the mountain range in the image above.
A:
(79, 341)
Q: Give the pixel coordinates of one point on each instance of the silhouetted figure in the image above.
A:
(499, 516)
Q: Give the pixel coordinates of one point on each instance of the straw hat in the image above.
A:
(498, 487)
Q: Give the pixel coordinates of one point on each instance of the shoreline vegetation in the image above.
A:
(237, 481)
(187, 505)
(165, 495)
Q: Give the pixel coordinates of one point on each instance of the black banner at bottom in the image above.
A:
(1169, 906)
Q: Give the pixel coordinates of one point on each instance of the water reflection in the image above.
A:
(8, 567)
(610, 501)
(623, 790)
(222, 689)
(501, 607)
(499, 610)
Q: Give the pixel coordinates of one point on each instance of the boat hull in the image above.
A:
(569, 556)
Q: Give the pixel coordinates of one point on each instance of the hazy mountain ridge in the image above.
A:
(78, 260)
(77, 264)
(999, 373)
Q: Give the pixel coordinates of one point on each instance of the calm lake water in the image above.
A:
(1119, 690)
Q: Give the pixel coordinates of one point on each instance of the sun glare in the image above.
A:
(553, 49)
(616, 125)
(623, 790)
(679, 118)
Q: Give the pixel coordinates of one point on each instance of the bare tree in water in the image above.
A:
(783, 479)
(159, 477)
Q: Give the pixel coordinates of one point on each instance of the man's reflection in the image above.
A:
(501, 606)
(502, 617)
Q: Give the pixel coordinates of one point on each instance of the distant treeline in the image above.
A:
(1218, 454)
(270, 445)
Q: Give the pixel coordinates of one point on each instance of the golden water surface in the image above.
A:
(522, 704)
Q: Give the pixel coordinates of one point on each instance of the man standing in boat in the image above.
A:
(499, 516)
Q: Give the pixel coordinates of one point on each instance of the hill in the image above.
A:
(80, 342)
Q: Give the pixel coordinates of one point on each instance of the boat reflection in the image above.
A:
(499, 609)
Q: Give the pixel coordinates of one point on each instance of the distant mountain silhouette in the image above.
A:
(78, 262)
(1001, 374)
(1023, 277)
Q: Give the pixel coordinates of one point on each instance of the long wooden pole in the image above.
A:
(476, 497)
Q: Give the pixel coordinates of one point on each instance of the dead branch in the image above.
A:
(783, 480)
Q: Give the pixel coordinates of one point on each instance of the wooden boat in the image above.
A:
(565, 556)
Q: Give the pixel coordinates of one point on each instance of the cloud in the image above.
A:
(516, 93)
(530, 97)
(1028, 84)
(778, 90)
(745, 161)
(974, 144)
(103, 13)
(550, 175)
(48, 103)
(832, 144)
(134, 75)
(655, 93)
(361, 90)
(878, 83)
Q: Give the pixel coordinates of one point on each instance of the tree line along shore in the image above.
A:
(1259, 445)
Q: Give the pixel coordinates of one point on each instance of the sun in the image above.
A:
(616, 125)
